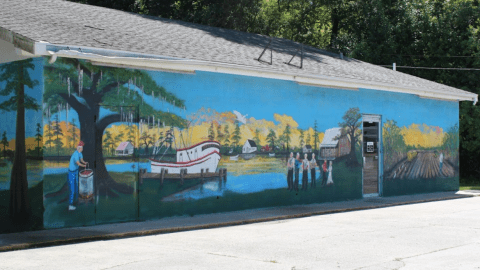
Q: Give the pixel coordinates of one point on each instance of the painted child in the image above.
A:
(330, 180)
(297, 171)
(324, 173)
(75, 161)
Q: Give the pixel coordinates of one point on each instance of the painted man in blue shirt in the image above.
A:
(75, 162)
(297, 171)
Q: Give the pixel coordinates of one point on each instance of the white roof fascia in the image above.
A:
(165, 63)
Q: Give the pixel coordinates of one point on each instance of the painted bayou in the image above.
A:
(161, 144)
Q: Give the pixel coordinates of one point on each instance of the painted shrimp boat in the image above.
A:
(202, 156)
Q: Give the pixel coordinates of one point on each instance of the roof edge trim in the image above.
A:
(157, 62)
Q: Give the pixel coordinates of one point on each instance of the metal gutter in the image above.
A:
(124, 59)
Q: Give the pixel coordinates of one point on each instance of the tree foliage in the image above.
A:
(271, 137)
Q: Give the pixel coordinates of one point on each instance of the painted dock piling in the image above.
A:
(183, 175)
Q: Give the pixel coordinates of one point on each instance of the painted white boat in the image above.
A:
(234, 157)
(204, 155)
(271, 154)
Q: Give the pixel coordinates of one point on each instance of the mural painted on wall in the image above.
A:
(161, 151)
(419, 155)
(121, 144)
(21, 145)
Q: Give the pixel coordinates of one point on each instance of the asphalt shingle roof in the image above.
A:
(66, 23)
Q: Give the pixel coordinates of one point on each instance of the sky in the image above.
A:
(261, 98)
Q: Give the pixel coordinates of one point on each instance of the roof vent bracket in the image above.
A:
(266, 47)
(301, 57)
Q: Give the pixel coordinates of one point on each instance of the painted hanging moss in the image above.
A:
(83, 87)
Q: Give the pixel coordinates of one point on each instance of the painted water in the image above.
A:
(244, 176)
(34, 173)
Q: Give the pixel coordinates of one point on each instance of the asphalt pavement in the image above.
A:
(44, 238)
(429, 231)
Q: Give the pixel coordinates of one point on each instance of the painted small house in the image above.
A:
(334, 144)
(124, 149)
(107, 78)
(307, 148)
(249, 147)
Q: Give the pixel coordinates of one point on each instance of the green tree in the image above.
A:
(350, 127)
(106, 85)
(308, 139)
(287, 133)
(236, 135)
(211, 132)
(226, 141)
(393, 143)
(146, 140)
(219, 133)
(131, 134)
(256, 139)
(49, 136)
(451, 141)
(5, 143)
(38, 137)
(57, 132)
(302, 138)
(271, 137)
(16, 78)
(107, 141)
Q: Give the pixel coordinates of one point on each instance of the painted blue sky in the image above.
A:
(8, 119)
(262, 98)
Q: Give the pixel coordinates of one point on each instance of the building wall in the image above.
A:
(28, 191)
(174, 110)
(9, 53)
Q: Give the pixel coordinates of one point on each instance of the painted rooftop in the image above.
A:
(329, 137)
(61, 22)
(123, 146)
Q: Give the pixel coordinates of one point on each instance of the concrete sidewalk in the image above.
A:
(32, 239)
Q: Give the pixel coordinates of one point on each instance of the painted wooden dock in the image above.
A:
(183, 176)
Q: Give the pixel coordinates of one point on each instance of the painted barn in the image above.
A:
(124, 149)
(334, 144)
(249, 147)
(105, 76)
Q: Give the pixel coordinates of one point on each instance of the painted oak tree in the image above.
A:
(351, 127)
(16, 76)
(86, 87)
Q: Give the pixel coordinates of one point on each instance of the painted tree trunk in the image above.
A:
(352, 160)
(19, 207)
(91, 134)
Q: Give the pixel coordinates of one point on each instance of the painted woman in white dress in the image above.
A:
(330, 181)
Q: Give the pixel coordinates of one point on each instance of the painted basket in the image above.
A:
(85, 184)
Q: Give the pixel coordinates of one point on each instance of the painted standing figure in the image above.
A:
(305, 168)
(440, 159)
(324, 173)
(75, 161)
(313, 164)
(290, 167)
(297, 171)
(330, 180)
